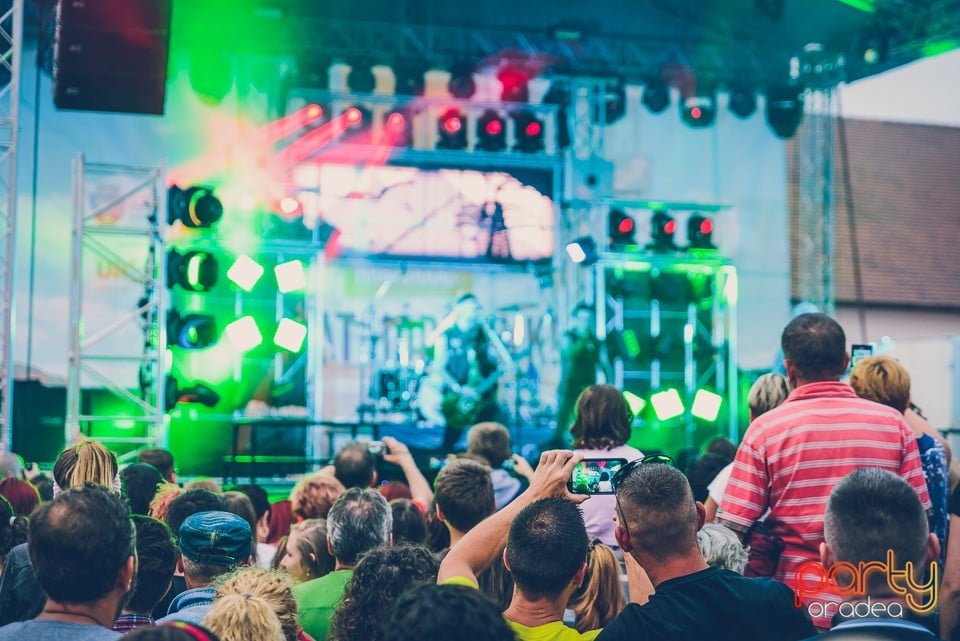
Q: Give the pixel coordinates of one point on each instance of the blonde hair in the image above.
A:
(882, 379)
(166, 492)
(204, 484)
(314, 495)
(767, 392)
(88, 460)
(243, 617)
(600, 599)
(271, 586)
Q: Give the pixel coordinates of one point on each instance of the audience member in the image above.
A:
(162, 460)
(355, 466)
(165, 495)
(192, 502)
(239, 504)
(657, 525)
(601, 430)
(595, 603)
(396, 453)
(139, 483)
(21, 596)
(766, 393)
(721, 548)
(23, 495)
(546, 551)
(489, 442)
(307, 555)
(211, 544)
(393, 490)
(243, 617)
(11, 466)
(873, 517)
(314, 495)
(273, 587)
(204, 484)
(792, 456)
(156, 561)
(379, 578)
(722, 446)
(281, 517)
(701, 471)
(44, 485)
(359, 521)
(409, 525)
(13, 530)
(883, 380)
(261, 508)
(82, 551)
(173, 631)
(428, 612)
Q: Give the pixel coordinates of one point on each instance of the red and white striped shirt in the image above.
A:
(792, 457)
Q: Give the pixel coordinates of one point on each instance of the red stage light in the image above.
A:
(533, 129)
(452, 124)
(314, 111)
(670, 227)
(353, 115)
(696, 113)
(494, 127)
(625, 226)
(396, 121)
(706, 226)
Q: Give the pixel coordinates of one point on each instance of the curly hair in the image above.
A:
(431, 612)
(243, 617)
(721, 547)
(600, 599)
(273, 587)
(603, 419)
(382, 575)
(314, 495)
(162, 500)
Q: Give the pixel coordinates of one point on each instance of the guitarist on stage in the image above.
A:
(466, 359)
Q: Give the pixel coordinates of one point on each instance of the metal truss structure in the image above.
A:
(94, 352)
(11, 49)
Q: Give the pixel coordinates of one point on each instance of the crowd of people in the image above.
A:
(832, 517)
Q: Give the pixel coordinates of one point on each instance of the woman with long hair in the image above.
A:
(306, 555)
(600, 598)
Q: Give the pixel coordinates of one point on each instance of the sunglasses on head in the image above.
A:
(629, 468)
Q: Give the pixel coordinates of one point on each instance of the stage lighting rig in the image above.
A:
(357, 118)
(194, 271)
(615, 101)
(583, 251)
(461, 84)
(656, 96)
(398, 126)
(528, 131)
(621, 228)
(700, 232)
(452, 129)
(742, 102)
(195, 207)
(784, 110)
(491, 131)
(663, 227)
(699, 111)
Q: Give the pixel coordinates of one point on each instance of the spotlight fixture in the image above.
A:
(583, 251)
(621, 228)
(528, 131)
(194, 271)
(245, 272)
(706, 405)
(291, 276)
(452, 129)
(513, 84)
(491, 131)
(360, 78)
(357, 118)
(662, 230)
(667, 404)
(243, 334)
(195, 207)
(290, 335)
(191, 331)
(656, 96)
(699, 110)
(784, 110)
(559, 94)
(742, 102)
(398, 127)
(700, 232)
(461, 84)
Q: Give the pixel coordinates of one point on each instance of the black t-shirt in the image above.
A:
(713, 604)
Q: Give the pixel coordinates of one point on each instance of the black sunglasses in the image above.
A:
(628, 469)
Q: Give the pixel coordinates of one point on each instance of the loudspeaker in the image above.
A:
(111, 55)
(39, 414)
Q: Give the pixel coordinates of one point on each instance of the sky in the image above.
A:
(926, 91)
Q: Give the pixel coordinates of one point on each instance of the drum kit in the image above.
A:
(401, 387)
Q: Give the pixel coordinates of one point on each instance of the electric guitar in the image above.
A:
(462, 409)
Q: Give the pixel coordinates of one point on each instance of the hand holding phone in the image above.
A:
(594, 475)
(859, 352)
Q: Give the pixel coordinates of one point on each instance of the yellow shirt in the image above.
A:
(555, 631)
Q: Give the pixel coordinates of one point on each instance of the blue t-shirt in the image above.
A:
(56, 631)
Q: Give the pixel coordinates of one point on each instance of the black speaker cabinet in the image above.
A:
(111, 55)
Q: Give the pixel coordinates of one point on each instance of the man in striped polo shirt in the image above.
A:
(792, 456)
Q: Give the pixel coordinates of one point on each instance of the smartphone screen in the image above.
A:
(594, 475)
(858, 353)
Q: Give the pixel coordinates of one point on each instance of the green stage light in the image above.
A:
(706, 405)
(243, 334)
(291, 277)
(634, 402)
(194, 271)
(245, 272)
(631, 343)
(290, 335)
(667, 404)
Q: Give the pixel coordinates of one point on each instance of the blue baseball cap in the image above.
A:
(217, 538)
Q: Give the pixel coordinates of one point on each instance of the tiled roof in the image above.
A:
(905, 181)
